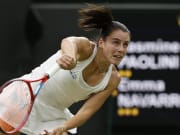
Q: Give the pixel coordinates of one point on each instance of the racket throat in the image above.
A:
(38, 88)
(45, 78)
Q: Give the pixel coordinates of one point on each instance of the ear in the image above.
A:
(100, 43)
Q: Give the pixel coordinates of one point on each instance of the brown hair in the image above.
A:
(99, 17)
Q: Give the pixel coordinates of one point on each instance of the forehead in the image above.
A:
(119, 34)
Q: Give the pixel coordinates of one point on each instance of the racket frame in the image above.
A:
(32, 97)
(42, 80)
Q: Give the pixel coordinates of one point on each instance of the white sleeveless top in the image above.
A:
(60, 92)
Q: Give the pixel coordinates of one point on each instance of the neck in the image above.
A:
(101, 62)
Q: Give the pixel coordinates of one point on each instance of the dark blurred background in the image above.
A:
(31, 30)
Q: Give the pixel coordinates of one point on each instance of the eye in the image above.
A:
(116, 42)
(125, 45)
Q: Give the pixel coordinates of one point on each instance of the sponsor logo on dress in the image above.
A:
(73, 74)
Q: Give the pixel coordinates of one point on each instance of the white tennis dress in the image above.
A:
(59, 92)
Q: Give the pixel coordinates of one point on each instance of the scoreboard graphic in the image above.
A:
(149, 92)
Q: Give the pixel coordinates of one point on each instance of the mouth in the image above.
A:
(118, 57)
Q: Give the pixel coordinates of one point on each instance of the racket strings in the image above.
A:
(15, 100)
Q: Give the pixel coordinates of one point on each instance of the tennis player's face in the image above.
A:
(115, 46)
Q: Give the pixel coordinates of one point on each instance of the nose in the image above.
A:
(121, 47)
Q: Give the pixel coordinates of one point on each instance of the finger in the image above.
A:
(63, 63)
(67, 57)
(65, 60)
(46, 132)
(53, 133)
(66, 64)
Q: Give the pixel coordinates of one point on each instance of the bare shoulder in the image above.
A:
(114, 80)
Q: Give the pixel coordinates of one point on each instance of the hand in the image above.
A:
(45, 133)
(57, 131)
(66, 62)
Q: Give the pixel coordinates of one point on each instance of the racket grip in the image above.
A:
(53, 69)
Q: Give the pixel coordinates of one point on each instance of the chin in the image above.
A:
(116, 63)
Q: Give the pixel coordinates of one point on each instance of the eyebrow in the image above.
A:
(120, 39)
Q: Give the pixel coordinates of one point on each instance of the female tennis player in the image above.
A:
(87, 73)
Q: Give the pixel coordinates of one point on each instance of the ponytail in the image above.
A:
(94, 17)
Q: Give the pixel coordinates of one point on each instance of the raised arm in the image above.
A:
(74, 49)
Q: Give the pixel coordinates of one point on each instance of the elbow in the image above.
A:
(67, 40)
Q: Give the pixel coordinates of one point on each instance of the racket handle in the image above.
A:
(53, 69)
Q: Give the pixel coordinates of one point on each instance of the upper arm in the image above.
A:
(82, 45)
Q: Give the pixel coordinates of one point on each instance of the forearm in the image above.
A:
(69, 48)
(90, 107)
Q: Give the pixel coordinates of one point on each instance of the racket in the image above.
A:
(16, 100)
